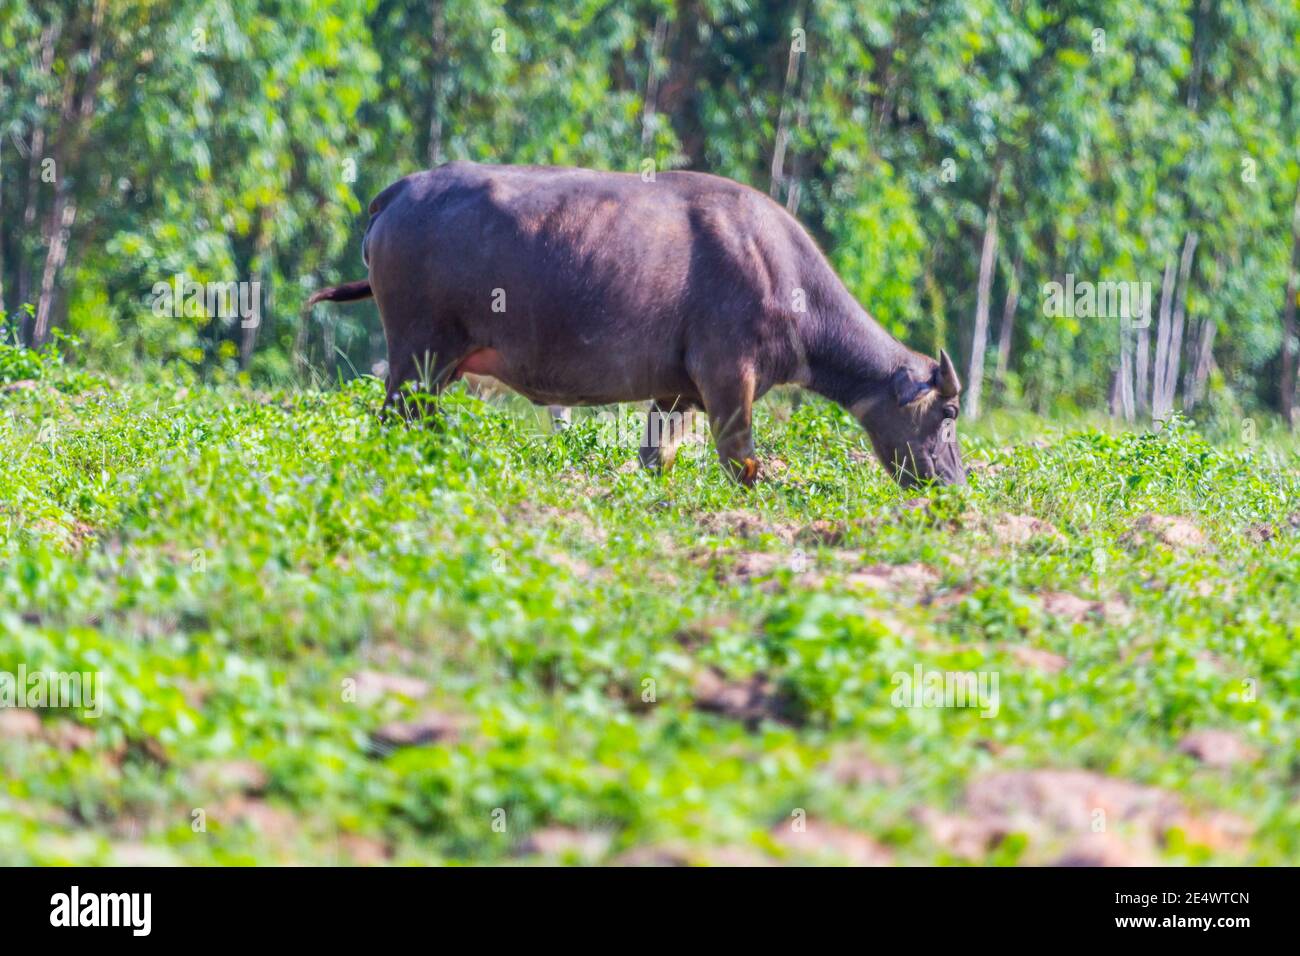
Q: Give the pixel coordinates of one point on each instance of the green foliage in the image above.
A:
(242, 141)
(22, 364)
(229, 558)
(21, 367)
(226, 530)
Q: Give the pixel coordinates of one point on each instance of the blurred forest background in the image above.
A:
(952, 158)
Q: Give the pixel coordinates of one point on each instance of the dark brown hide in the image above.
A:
(577, 287)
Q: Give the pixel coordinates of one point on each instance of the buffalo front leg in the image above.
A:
(729, 402)
(668, 422)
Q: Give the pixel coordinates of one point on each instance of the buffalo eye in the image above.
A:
(950, 411)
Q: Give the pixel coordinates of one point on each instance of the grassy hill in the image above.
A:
(325, 639)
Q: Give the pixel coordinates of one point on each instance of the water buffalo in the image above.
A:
(577, 287)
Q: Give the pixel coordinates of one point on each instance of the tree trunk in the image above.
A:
(73, 119)
(3, 233)
(23, 266)
(327, 345)
(1121, 390)
(438, 45)
(1125, 374)
(1175, 354)
(1201, 368)
(1191, 340)
(795, 192)
(988, 258)
(783, 118)
(36, 152)
(55, 231)
(248, 335)
(1007, 328)
(1142, 370)
(62, 216)
(1162, 341)
(1287, 398)
(300, 338)
(261, 247)
(938, 305)
(652, 84)
(1202, 357)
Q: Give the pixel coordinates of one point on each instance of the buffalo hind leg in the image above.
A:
(429, 368)
(667, 423)
(729, 401)
(561, 417)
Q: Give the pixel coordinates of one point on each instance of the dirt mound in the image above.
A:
(1072, 608)
(1021, 530)
(752, 526)
(680, 854)
(1036, 658)
(756, 566)
(371, 687)
(1217, 748)
(751, 700)
(1173, 531)
(560, 843)
(850, 766)
(431, 727)
(1099, 820)
(826, 843)
(894, 577)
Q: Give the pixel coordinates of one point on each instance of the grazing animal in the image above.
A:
(577, 287)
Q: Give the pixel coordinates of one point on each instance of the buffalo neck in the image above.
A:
(851, 358)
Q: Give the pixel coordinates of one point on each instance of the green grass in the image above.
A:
(229, 560)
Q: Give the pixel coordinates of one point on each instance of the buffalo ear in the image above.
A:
(945, 377)
(906, 389)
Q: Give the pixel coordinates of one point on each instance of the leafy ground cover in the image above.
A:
(326, 639)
